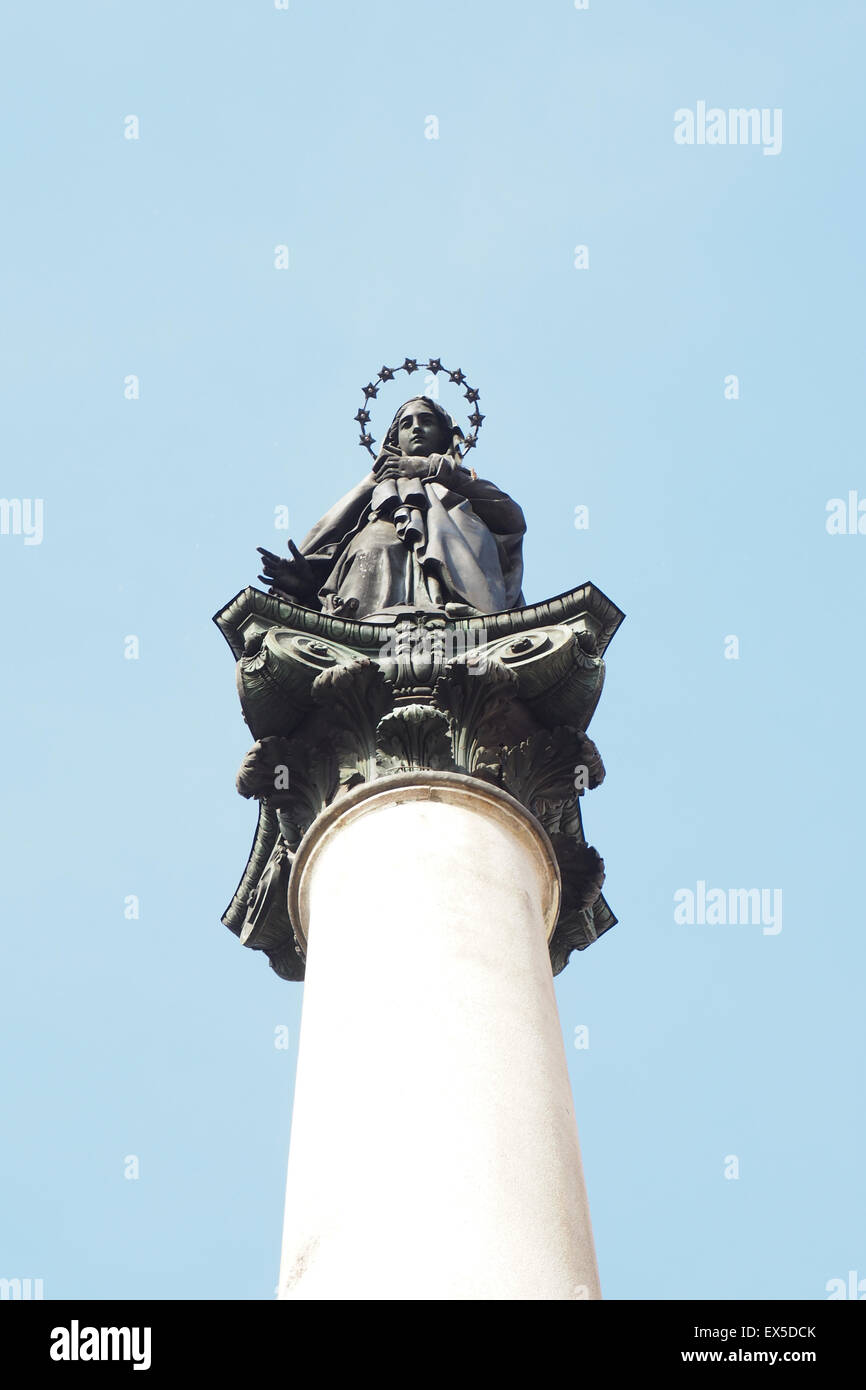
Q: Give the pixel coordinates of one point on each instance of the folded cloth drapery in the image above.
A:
(447, 537)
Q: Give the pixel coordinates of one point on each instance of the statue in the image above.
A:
(420, 532)
(395, 643)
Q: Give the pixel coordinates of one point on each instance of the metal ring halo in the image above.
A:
(411, 364)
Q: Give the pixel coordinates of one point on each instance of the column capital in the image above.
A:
(417, 698)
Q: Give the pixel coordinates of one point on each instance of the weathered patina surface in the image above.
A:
(420, 530)
(396, 640)
(332, 703)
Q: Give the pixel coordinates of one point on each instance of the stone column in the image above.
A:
(420, 861)
(434, 1150)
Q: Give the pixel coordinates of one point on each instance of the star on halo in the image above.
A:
(410, 365)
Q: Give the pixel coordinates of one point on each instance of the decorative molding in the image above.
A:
(480, 703)
(334, 705)
(252, 611)
(413, 738)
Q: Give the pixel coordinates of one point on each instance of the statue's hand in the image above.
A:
(408, 466)
(387, 470)
(416, 467)
(294, 577)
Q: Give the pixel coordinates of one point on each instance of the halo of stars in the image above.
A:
(411, 364)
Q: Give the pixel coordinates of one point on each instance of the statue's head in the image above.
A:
(422, 427)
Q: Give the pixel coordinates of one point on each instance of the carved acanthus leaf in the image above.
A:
(479, 699)
(258, 775)
(541, 768)
(296, 777)
(589, 760)
(313, 779)
(582, 870)
(574, 933)
(570, 820)
(550, 814)
(266, 925)
(351, 700)
(413, 737)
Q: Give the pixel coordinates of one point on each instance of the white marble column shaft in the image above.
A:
(434, 1150)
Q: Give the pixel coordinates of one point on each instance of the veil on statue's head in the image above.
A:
(391, 448)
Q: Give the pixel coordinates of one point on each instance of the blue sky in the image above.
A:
(602, 387)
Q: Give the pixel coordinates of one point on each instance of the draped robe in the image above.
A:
(423, 542)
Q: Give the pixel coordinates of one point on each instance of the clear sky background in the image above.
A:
(602, 387)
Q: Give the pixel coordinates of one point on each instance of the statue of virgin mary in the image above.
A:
(420, 531)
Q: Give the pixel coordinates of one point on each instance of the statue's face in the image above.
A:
(420, 431)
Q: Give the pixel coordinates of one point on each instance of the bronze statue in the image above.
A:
(395, 644)
(420, 532)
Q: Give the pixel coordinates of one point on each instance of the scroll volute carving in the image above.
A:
(330, 719)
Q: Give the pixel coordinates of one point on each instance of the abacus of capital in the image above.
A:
(420, 760)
